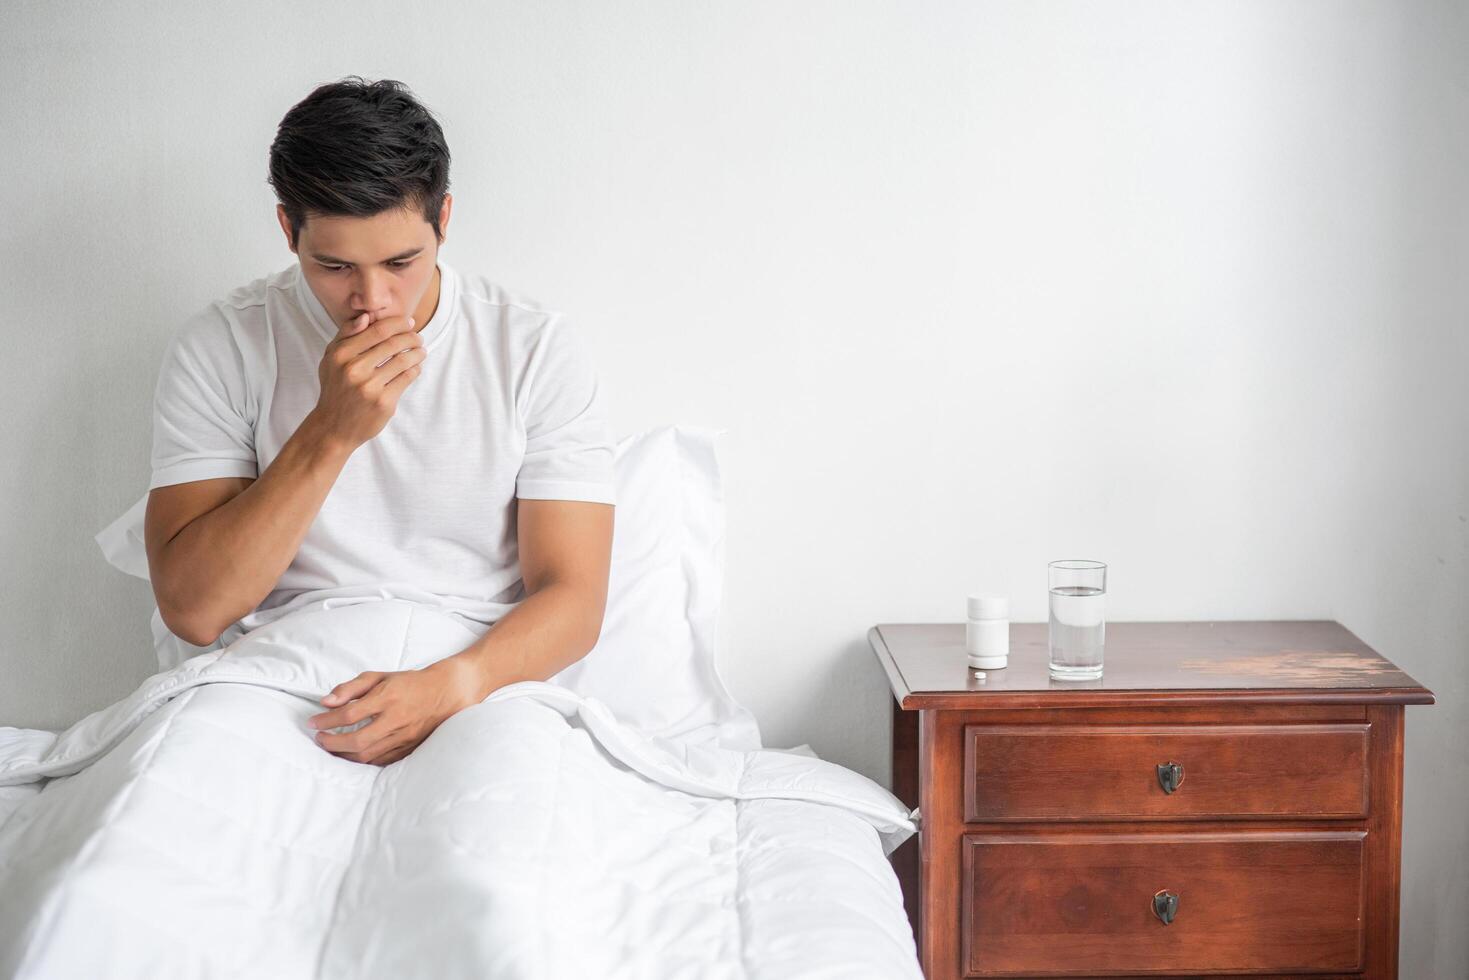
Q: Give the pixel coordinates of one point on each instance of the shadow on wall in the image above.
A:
(856, 688)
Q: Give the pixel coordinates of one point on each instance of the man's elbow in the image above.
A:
(189, 630)
(184, 621)
(592, 634)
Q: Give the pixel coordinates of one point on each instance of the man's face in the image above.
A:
(380, 265)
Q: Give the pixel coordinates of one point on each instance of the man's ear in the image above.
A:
(280, 215)
(444, 210)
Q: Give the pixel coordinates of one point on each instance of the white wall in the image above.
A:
(974, 287)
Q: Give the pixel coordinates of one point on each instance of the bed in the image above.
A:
(620, 820)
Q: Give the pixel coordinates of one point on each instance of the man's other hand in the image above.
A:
(405, 706)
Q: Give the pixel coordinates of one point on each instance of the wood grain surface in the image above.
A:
(1281, 661)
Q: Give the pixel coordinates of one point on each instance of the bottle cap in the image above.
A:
(989, 606)
(998, 662)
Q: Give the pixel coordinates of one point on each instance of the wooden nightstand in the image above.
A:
(1225, 801)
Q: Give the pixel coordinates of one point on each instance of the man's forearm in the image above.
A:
(547, 632)
(223, 563)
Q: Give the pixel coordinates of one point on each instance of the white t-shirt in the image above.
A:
(507, 406)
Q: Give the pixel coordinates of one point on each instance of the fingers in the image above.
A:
(352, 345)
(406, 366)
(359, 322)
(392, 755)
(347, 714)
(403, 379)
(363, 745)
(355, 688)
(389, 344)
(397, 363)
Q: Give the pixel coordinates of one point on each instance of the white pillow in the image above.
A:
(654, 664)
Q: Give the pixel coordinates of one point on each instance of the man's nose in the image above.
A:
(371, 295)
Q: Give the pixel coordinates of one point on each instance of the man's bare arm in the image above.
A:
(209, 569)
(215, 551)
(565, 559)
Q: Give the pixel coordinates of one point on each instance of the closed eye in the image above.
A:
(399, 264)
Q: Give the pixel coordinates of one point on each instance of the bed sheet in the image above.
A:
(195, 830)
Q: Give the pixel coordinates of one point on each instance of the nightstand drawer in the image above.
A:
(1085, 772)
(1061, 904)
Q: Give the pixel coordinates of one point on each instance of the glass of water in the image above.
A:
(1078, 619)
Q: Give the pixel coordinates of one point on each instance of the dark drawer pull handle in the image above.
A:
(1170, 776)
(1165, 906)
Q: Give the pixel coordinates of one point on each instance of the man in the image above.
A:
(369, 423)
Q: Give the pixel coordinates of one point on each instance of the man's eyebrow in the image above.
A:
(320, 257)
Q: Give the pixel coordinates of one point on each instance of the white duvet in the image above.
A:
(195, 830)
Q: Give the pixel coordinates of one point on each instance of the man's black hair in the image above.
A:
(359, 148)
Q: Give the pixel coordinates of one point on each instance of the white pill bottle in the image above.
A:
(987, 632)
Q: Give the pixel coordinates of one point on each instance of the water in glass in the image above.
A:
(1078, 628)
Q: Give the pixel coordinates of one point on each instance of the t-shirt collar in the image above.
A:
(437, 326)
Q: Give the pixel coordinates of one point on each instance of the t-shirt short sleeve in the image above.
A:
(568, 452)
(203, 414)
